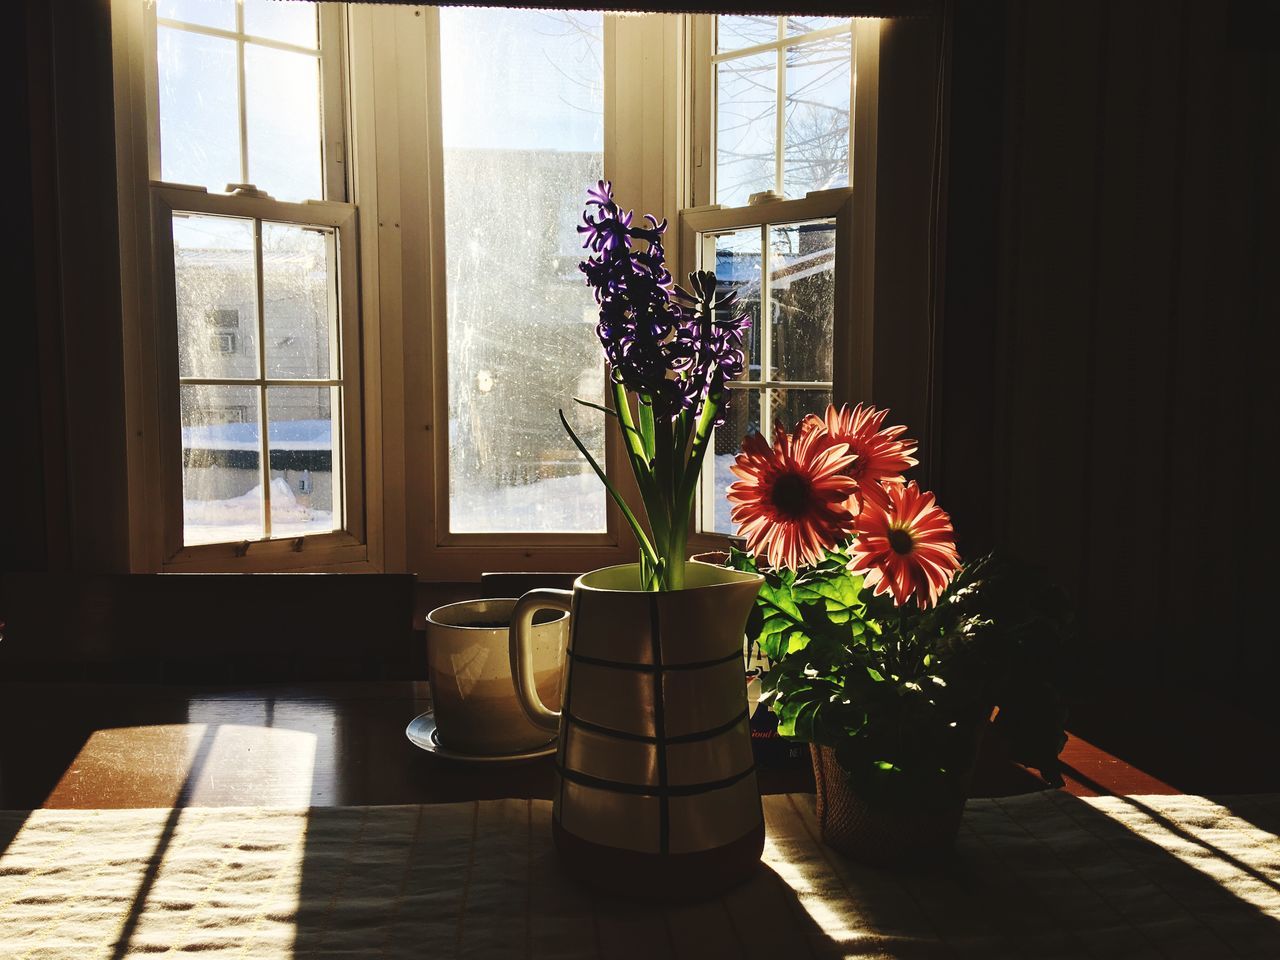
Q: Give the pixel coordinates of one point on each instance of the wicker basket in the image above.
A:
(876, 835)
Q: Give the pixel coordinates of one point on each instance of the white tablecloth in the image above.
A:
(1045, 875)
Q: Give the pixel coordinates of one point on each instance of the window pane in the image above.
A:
(199, 123)
(523, 133)
(282, 93)
(216, 296)
(816, 129)
(797, 25)
(743, 418)
(287, 22)
(738, 268)
(746, 128)
(209, 13)
(302, 425)
(299, 300)
(802, 287)
(221, 452)
(734, 33)
(789, 407)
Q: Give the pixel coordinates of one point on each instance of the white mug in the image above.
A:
(469, 666)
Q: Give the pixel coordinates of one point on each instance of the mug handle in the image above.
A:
(522, 652)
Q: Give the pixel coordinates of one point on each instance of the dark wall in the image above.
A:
(65, 499)
(1106, 390)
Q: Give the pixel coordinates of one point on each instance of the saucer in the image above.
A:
(422, 733)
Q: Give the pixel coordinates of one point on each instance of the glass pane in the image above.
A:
(789, 407)
(746, 127)
(221, 452)
(302, 437)
(216, 296)
(797, 25)
(734, 33)
(523, 112)
(742, 418)
(277, 20)
(816, 129)
(208, 13)
(199, 123)
(802, 289)
(299, 300)
(737, 267)
(282, 93)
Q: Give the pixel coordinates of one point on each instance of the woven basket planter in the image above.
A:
(877, 835)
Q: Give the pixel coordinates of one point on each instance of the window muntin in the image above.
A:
(522, 103)
(781, 101)
(239, 90)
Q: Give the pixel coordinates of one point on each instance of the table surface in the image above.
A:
(325, 744)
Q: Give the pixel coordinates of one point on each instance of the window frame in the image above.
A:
(614, 460)
(347, 542)
(642, 133)
(146, 204)
(698, 228)
(657, 140)
(853, 208)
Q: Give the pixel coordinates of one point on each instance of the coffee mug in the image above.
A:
(469, 665)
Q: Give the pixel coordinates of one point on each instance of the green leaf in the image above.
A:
(607, 412)
(636, 529)
(796, 641)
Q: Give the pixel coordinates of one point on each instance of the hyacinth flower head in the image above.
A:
(671, 347)
(675, 350)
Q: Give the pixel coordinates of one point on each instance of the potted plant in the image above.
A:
(888, 655)
(657, 794)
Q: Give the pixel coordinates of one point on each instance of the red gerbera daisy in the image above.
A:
(906, 546)
(792, 502)
(882, 455)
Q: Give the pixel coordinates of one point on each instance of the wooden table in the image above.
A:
(328, 744)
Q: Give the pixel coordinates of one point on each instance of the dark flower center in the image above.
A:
(900, 541)
(790, 495)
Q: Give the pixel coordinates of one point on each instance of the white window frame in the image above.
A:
(146, 206)
(384, 147)
(643, 157)
(347, 541)
(852, 208)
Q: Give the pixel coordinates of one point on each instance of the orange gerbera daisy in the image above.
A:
(906, 546)
(882, 454)
(793, 501)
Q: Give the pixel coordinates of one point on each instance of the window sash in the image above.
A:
(778, 47)
(349, 544)
(331, 53)
(342, 545)
(499, 545)
(698, 230)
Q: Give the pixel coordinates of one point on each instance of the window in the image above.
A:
(781, 257)
(356, 263)
(783, 89)
(257, 318)
(522, 106)
(773, 147)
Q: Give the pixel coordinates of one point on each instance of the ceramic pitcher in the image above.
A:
(656, 791)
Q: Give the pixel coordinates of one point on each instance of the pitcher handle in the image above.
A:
(522, 652)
